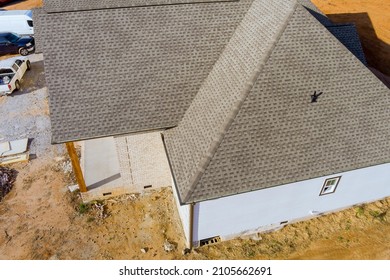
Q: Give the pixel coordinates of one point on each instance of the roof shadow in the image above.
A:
(377, 51)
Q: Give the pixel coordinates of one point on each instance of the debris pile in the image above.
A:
(169, 246)
(99, 209)
(7, 179)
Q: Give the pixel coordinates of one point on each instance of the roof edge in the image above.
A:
(52, 7)
(55, 142)
(204, 163)
(339, 173)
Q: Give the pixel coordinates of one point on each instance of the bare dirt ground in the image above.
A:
(372, 19)
(41, 219)
(23, 5)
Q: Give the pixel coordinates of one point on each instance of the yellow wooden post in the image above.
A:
(76, 166)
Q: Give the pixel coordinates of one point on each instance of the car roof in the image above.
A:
(16, 13)
(3, 34)
(7, 63)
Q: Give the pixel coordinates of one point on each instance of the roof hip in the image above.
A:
(232, 79)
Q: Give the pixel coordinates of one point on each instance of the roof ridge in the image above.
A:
(205, 161)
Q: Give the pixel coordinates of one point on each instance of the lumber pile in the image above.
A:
(7, 179)
(14, 151)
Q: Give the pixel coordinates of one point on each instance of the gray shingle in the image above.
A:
(278, 136)
(345, 33)
(117, 71)
(56, 6)
(193, 142)
(348, 36)
(37, 28)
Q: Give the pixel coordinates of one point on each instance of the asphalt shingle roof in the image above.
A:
(276, 135)
(348, 36)
(121, 70)
(235, 77)
(194, 142)
(116, 71)
(59, 6)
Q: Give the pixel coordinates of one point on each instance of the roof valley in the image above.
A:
(241, 61)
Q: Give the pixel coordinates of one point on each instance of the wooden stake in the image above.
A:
(76, 166)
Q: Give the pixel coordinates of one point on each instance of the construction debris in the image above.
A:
(73, 188)
(99, 209)
(168, 246)
(7, 179)
(13, 151)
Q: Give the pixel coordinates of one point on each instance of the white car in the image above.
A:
(11, 72)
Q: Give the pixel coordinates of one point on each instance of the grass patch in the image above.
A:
(359, 211)
(82, 208)
(381, 216)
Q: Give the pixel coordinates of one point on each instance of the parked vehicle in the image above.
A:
(2, 2)
(17, 21)
(13, 43)
(11, 73)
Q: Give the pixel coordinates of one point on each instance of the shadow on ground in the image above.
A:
(376, 50)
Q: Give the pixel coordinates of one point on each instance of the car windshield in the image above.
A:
(12, 37)
(5, 71)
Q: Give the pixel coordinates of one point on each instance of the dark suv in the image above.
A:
(13, 43)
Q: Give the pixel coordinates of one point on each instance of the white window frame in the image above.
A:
(330, 185)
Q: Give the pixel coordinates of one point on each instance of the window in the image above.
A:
(330, 185)
(30, 23)
(11, 37)
(15, 67)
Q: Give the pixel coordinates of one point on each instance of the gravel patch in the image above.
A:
(25, 114)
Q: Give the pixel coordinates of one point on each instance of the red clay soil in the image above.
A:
(372, 19)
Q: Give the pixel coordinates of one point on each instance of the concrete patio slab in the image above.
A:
(100, 164)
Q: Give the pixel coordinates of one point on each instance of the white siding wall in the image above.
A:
(184, 213)
(258, 210)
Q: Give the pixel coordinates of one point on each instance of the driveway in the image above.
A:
(25, 114)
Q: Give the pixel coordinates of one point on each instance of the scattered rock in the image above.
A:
(168, 246)
(57, 159)
(73, 188)
(186, 251)
(254, 237)
(54, 257)
(257, 237)
(66, 166)
(144, 250)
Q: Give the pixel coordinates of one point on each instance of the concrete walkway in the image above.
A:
(100, 165)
